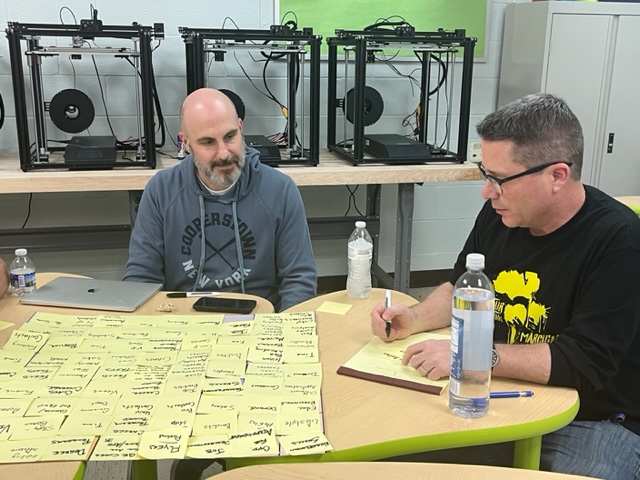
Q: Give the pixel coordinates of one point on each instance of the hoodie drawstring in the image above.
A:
(202, 244)
(238, 244)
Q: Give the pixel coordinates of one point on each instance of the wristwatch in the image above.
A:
(495, 358)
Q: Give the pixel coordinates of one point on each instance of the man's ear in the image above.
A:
(240, 124)
(183, 139)
(561, 175)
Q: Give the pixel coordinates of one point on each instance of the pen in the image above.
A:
(192, 294)
(387, 304)
(511, 394)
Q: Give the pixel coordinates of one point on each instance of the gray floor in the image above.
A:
(119, 470)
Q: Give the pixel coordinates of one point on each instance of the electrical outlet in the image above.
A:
(475, 153)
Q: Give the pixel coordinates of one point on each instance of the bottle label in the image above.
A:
(457, 341)
(23, 280)
(473, 331)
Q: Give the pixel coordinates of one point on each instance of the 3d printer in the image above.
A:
(279, 42)
(362, 105)
(71, 110)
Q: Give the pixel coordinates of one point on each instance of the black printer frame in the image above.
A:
(86, 30)
(364, 44)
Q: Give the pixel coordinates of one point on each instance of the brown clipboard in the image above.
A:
(396, 382)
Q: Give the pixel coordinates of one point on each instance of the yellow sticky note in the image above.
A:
(178, 404)
(177, 420)
(27, 428)
(229, 352)
(253, 421)
(104, 389)
(91, 406)
(23, 451)
(184, 386)
(265, 369)
(334, 307)
(222, 386)
(57, 344)
(305, 424)
(215, 403)
(168, 443)
(301, 386)
(31, 341)
(295, 405)
(297, 355)
(51, 405)
(19, 389)
(209, 446)
(80, 424)
(305, 444)
(7, 426)
(14, 407)
(269, 404)
(225, 368)
(116, 447)
(35, 374)
(68, 448)
(263, 386)
(215, 423)
(4, 325)
(56, 320)
(259, 443)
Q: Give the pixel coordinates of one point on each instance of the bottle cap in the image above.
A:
(21, 252)
(361, 224)
(475, 261)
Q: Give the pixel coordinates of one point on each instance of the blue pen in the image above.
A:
(511, 394)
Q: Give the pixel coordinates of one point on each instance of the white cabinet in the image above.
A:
(588, 54)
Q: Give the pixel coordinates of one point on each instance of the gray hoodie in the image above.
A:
(253, 239)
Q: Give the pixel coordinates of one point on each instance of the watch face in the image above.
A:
(494, 357)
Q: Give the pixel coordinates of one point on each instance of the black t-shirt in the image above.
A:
(578, 289)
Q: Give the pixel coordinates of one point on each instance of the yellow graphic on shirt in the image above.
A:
(524, 317)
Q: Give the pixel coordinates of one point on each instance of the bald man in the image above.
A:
(221, 220)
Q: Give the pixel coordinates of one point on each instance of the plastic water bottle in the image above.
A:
(22, 273)
(359, 254)
(471, 341)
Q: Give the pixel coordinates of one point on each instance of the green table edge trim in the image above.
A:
(144, 470)
(635, 208)
(79, 475)
(528, 438)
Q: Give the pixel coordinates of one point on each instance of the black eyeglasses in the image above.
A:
(497, 182)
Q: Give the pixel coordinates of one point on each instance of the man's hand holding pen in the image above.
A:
(397, 319)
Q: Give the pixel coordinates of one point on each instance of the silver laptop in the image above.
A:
(93, 294)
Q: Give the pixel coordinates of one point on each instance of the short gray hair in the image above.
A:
(542, 128)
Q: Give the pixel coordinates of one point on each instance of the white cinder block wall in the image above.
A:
(443, 214)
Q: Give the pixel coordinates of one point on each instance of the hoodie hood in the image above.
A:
(240, 190)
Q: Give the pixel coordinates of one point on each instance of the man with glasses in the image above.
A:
(564, 259)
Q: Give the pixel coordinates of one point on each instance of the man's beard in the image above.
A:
(224, 180)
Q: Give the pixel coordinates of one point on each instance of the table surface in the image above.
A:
(11, 310)
(331, 170)
(40, 471)
(367, 420)
(383, 471)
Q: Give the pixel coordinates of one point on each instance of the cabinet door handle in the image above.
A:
(610, 143)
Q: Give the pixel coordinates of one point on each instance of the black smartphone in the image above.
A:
(224, 305)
